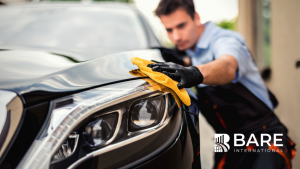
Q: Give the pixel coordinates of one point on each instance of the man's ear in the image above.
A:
(197, 19)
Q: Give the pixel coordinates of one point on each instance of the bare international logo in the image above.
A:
(221, 142)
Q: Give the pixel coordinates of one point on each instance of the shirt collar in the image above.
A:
(205, 38)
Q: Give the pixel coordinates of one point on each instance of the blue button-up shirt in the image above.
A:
(215, 42)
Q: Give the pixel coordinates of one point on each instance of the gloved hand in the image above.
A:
(185, 76)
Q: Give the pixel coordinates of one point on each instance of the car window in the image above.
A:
(89, 32)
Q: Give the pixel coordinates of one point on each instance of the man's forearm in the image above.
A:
(220, 71)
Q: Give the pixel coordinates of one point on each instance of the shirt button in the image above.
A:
(214, 106)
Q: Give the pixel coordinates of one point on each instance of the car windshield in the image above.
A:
(87, 32)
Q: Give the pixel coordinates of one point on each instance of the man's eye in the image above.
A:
(181, 25)
(169, 30)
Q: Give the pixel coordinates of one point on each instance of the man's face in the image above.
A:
(181, 28)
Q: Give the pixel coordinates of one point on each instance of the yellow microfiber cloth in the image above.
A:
(164, 83)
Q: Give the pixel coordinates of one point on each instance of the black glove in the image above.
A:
(185, 76)
(170, 55)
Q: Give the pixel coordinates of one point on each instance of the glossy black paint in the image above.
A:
(65, 80)
(120, 64)
(34, 118)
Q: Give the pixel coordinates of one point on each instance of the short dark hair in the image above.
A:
(166, 7)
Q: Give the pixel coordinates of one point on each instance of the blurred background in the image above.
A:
(272, 31)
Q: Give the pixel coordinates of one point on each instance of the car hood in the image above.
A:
(37, 76)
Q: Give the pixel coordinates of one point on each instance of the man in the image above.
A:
(231, 93)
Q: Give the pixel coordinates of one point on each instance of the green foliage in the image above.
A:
(168, 44)
(228, 24)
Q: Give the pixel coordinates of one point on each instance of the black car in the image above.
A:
(67, 99)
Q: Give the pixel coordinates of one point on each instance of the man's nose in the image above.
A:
(176, 35)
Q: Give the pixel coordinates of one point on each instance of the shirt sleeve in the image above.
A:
(233, 47)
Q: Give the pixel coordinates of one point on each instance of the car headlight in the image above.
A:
(145, 113)
(104, 116)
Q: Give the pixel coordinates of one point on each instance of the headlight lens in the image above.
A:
(99, 131)
(145, 113)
